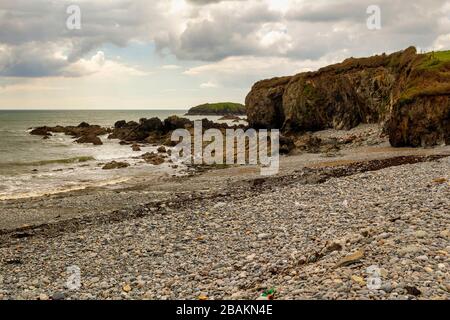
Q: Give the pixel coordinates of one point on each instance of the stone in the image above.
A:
(115, 165)
(264, 236)
(447, 286)
(411, 290)
(126, 288)
(428, 269)
(251, 257)
(351, 259)
(43, 296)
(387, 287)
(445, 233)
(58, 296)
(90, 139)
(441, 266)
(440, 180)
(153, 158)
(359, 280)
(120, 124)
(422, 258)
(334, 246)
(41, 131)
(162, 149)
(420, 234)
(411, 249)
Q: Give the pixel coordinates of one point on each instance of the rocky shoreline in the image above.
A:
(310, 232)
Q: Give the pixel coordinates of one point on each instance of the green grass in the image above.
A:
(431, 78)
(435, 60)
(222, 108)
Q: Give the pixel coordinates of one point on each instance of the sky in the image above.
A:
(175, 54)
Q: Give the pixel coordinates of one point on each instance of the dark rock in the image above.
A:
(422, 122)
(41, 131)
(135, 147)
(90, 139)
(309, 143)
(286, 145)
(84, 125)
(115, 165)
(132, 124)
(413, 291)
(162, 149)
(58, 296)
(120, 124)
(230, 118)
(149, 125)
(153, 158)
(175, 122)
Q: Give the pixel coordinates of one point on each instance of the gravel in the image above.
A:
(394, 223)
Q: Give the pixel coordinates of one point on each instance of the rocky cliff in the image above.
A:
(407, 92)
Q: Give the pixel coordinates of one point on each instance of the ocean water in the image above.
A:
(31, 166)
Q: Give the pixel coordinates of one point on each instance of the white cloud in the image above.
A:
(232, 43)
(99, 66)
(171, 67)
(208, 85)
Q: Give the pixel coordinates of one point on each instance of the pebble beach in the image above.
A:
(380, 232)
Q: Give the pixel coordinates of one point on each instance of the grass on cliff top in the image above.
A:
(432, 77)
(221, 108)
(435, 60)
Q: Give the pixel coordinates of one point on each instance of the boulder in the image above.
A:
(84, 125)
(132, 124)
(286, 145)
(153, 158)
(150, 125)
(120, 124)
(115, 165)
(162, 149)
(41, 131)
(135, 147)
(90, 139)
(175, 122)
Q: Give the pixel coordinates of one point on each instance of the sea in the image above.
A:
(31, 166)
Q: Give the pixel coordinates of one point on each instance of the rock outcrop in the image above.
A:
(83, 130)
(407, 92)
(131, 133)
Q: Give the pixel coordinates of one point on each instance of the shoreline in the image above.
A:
(163, 183)
(230, 233)
(241, 234)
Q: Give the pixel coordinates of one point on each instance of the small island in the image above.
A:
(218, 109)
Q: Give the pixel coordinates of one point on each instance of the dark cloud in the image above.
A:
(34, 41)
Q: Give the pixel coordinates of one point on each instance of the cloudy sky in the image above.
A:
(178, 53)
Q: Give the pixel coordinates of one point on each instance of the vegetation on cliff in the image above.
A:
(220, 109)
(407, 92)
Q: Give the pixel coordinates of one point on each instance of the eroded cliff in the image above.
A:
(405, 91)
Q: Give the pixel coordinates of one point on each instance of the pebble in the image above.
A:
(421, 234)
(58, 296)
(259, 240)
(43, 296)
(264, 236)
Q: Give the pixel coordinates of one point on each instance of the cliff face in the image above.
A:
(399, 90)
